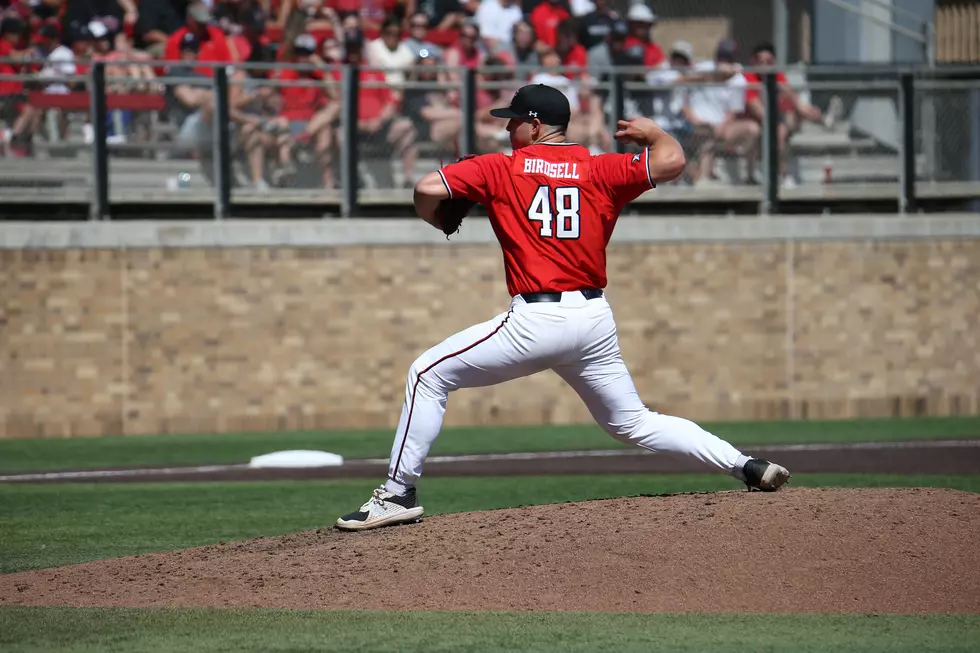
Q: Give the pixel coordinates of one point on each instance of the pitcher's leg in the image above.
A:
(485, 354)
(609, 393)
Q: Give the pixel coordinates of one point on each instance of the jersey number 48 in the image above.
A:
(566, 203)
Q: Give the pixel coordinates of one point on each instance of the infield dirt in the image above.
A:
(797, 550)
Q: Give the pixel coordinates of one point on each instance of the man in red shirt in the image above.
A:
(214, 48)
(553, 207)
(639, 44)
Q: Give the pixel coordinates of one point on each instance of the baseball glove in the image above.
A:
(451, 211)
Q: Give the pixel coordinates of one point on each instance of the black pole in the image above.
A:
(348, 149)
(222, 145)
(907, 201)
(771, 126)
(99, 208)
(467, 104)
(618, 105)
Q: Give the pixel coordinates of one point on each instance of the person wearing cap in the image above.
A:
(714, 105)
(307, 111)
(213, 45)
(60, 61)
(545, 18)
(189, 101)
(553, 208)
(641, 20)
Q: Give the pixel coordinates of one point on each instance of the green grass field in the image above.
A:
(48, 525)
(41, 454)
(135, 631)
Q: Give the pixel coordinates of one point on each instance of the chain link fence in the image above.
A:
(947, 132)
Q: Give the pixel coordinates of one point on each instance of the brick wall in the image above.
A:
(192, 340)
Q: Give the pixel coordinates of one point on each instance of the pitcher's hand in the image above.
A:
(641, 131)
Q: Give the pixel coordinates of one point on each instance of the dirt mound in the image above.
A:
(798, 550)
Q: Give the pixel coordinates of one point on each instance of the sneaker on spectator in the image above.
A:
(834, 111)
(789, 183)
(261, 186)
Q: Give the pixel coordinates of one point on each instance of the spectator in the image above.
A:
(432, 116)
(668, 105)
(640, 40)
(572, 54)
(610, 51)
(190, 102)
(113, 48)
(390, 53)
(613, 52)
(714, 111)
(792, 108)
(13, 111)
(495, 93)
(522, 51)
(450, 14)
(331, 51)
(115, 12)
(242, 21)
(60, 61)
(157, 21)
(314, 13)
(300, 104)
(212, 46)
(417, 41)
(467, 53)
(545, 19)
(496, 20)
(595, 26)
(259, 105)
(377, 112)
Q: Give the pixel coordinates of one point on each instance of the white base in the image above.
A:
(297, 458)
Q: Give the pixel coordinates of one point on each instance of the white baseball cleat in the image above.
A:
(764, 475)
(383, 509)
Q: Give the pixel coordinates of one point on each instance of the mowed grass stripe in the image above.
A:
(127, 630)
(130, 451)
(50, 525)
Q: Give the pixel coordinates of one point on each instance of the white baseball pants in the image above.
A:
(577, 339)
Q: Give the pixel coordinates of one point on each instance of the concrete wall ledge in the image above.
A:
(476, 230)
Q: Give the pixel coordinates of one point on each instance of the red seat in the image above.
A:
(82, 101)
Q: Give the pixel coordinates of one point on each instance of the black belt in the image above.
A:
(533, 297)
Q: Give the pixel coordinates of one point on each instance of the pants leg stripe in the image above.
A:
(411, 409)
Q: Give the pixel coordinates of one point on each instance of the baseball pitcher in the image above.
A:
(553, 207)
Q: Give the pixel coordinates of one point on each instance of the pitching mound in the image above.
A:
(797, 550)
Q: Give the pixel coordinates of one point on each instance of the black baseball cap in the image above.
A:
(546, 103)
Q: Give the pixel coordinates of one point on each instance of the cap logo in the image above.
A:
(533, 114)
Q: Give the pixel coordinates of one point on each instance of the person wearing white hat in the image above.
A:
(640, 42)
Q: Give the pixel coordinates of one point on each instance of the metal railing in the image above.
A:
(886, 147)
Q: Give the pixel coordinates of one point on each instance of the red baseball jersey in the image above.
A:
(553, 207)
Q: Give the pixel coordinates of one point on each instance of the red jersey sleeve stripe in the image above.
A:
(446, 184)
